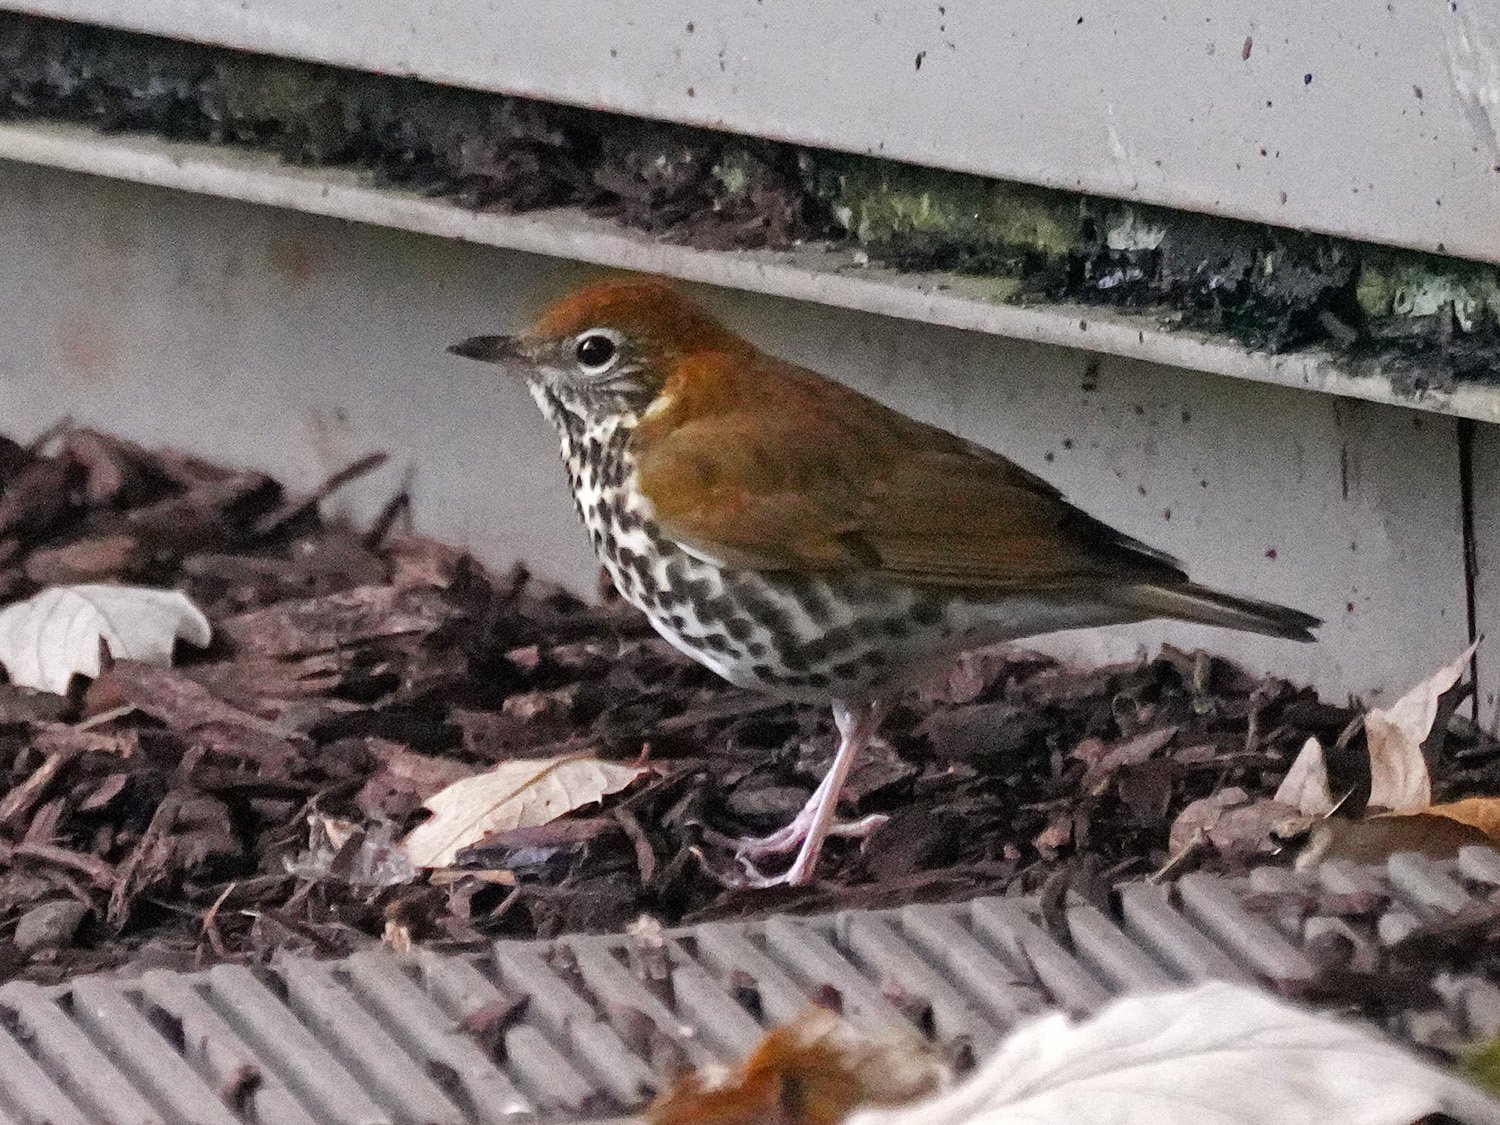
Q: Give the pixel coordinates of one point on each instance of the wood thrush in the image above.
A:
(800, 538)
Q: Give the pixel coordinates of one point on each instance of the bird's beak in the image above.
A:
(493, 349)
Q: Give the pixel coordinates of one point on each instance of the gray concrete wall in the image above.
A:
(1376, 121)
(295, 343)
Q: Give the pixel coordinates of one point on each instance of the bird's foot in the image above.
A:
(744, 875)
(784, 841)
(815, 823)
(791, 838)
(748, 877)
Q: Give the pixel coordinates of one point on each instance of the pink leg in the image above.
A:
(857, 725)
(791, 835)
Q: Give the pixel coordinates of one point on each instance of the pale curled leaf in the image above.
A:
(1398, 774)
(1305, 787)
(54, 635)
(517, 794)
(1216, 1052)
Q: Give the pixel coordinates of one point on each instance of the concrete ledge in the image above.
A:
(1373, 122)
(834, 278)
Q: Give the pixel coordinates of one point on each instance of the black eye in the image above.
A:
(595, 351)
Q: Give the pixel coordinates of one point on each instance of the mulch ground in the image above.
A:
(178, 817)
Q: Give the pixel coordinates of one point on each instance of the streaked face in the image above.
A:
(591, 375)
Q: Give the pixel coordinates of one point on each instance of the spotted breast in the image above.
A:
(795, 635)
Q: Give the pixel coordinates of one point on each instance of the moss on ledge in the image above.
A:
(1436, 319)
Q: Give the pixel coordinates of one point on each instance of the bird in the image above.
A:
(800, 538)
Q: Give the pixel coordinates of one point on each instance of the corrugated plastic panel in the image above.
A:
(594, 1021)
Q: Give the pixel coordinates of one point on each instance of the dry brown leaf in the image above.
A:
(1305, 787)
(1400, 783)
(523, 793)
(812, 1071)
(1398, 773)
(1482, 813)
(1437, 832)
(1237, 826)
(1375, 840)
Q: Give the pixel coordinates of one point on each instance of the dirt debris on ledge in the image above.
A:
(164, 816)
(1424, 321)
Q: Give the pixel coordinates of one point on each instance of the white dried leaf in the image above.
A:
(1217, 1052)
(518, 794)
(1398, 773)
(54, 635)
(1305, 786)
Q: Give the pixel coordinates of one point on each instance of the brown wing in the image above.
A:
(759, 464)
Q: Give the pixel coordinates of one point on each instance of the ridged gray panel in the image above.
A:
(375, 1039)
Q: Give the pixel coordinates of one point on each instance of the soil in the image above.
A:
(225, 808)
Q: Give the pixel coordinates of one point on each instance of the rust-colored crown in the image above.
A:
(664, 325)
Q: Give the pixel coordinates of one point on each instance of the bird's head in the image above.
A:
(607, 349)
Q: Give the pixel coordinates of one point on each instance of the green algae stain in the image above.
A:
(883, 204)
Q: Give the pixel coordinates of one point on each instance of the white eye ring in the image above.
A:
(596, 350)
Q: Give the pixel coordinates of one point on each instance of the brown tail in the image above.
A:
(1190, 602)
